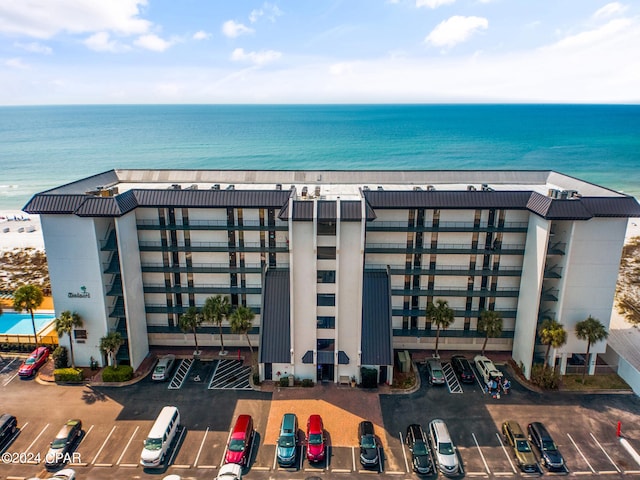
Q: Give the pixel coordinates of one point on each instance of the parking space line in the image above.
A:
(127, 445)
(195, 463)
(404, 454)
(481, 455)
(353, 458)
(224, 452)
(581, 454)
(9, 381)
(605, 452)
(8, 364)
(103, 444)
(506, 455)
(275, 458)
(28, 449)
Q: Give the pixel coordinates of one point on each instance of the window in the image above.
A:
(326, 299)
(326, 276)
(326, 253)
(326, 227)
(326, 322)
(80, 334)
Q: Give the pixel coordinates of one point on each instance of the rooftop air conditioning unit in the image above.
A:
(553, 193)
(278, 186)
(430, 188)
(231, 187)
(216, 187)
(471, 188)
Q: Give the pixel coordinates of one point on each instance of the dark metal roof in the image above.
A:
(275, 339)
(351, 210)
(211, 198)
(127, 201)
(376, 319)
(581, 208)
(54, 204)
(302, 210)
(99, 207)
(446, 199)
(327, 210)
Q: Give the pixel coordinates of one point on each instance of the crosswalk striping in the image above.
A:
(230, 375)
(452, 380)
(181, 373)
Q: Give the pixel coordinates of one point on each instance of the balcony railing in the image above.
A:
(212, 247)
(382, 226)
(147, 224)
(454, 248)
(454, 270)
(420, 313)
(203, 268)
(456, 292)
(203, 288)
(163, 308)
(417, 332)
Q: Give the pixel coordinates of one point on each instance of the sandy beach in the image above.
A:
(20, 230)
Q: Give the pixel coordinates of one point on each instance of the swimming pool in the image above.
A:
(13, 323)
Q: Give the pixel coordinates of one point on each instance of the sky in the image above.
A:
(56, 52)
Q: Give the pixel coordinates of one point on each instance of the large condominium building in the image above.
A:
(339, 267)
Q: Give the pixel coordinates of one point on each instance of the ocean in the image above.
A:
(43, 147)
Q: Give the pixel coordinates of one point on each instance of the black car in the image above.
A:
(419, 448)
(549, 453)
(369, 451)
(8, 429)
(61, 449)
(463, 368)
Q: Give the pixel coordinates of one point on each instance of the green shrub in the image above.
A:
(60, 357)
(284, 381)
(256, 378)
(122, 373)
(307, 382)
(545, 378)
(71, 375)
(369, 377)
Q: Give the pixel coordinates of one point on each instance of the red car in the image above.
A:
(240, 441)
(315, 439)
(31, 365)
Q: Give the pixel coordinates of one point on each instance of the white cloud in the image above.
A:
(233, 29)
(201, 35)
(35, 47)
(342, 68)
(102, 42)
(599, 35)
(153, 42)
(16, 63)
(46, 18)
(610, 9)
(257, 58)
(268, 10)
(433, 3)
(456, 29)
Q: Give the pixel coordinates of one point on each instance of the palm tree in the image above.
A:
(29, 298)
(191, 320)
(552, 334)
(490, 322)
(441, 315)
(217, 309)
(591, 330)
(110, 345)
(241, 322)
(65, 325)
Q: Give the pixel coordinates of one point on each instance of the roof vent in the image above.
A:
(216, 187)
(365, 188)
(430, 188)
(486, 188)
(175, 186)
(380, 189)
(231, 186)
(193, 186)
(278, 186)
(471, 188)
(417, 188)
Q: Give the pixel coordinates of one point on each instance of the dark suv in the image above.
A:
(463, 368)
(419, 448)
(369, 455)
(549, 453)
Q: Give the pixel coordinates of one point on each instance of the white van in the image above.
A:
(160, 437)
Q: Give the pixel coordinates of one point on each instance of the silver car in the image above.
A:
(443, 448)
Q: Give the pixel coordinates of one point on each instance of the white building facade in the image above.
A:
(338, 266)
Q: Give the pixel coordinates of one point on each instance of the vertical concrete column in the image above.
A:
(592, 363)
(563, 363)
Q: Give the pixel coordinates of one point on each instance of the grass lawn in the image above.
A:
(609, 381)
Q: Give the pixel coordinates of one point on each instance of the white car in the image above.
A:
(163, 368)
(65, 474)
(487, 369)
(230, 471)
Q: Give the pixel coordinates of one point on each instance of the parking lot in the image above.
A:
(117, 420)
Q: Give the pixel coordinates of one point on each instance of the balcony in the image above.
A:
(212, 247)
(179, 310)
(517, 227)
(118, 309)
(249, 225)
(114, 264)
(115, 290)
(415, 332)
(111, 243)
(456, 292)
(451, 248)
(553, 272)
(215, 288)
(550, 294)
(202, 268)
(420, 313)
(453, 270)
(556, 248)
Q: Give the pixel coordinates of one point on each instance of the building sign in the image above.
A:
(82, 294)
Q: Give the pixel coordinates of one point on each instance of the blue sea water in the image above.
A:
(43, 147)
